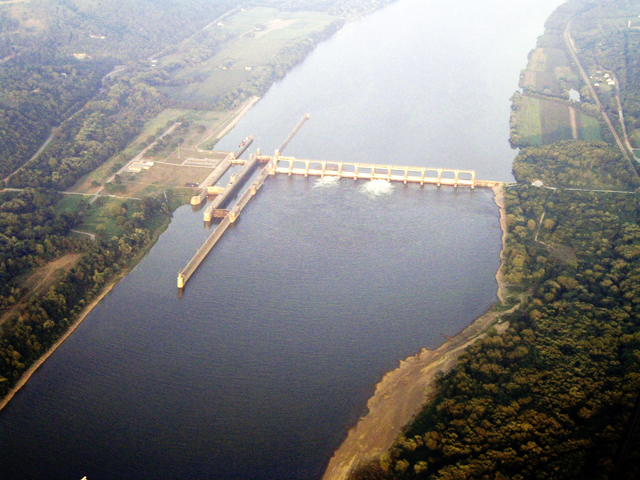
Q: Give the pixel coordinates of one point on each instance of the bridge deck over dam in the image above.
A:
(370, 171)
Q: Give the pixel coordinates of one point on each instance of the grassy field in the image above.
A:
(588, 127)
(200, 123)
(544, 121)
(529, 120)
(259, 34)
(545, 70)
(71, 204)
(101, 213)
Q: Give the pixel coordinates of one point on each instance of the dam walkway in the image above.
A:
(370, 171)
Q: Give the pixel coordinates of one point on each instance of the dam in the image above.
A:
(367, 171)
(277, 164)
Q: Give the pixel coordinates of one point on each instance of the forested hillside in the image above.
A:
(53, 56)
(553, 396)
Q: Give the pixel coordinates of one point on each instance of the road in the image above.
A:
(137, 158)
(594, 95)
(90, 235)
(117, 69)
(35, 155)
(78, 193)
(627, 192)
(621, 118)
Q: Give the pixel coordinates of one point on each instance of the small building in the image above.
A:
(537, 183)
(136, 167)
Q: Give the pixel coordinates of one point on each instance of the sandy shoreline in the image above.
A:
(402, 392)
(27, 375)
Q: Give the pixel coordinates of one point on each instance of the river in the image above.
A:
(319, 289)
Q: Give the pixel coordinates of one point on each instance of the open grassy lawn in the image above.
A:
(260, 34)
(161, 176)
(102, 213)
(529, 120)
(588, 127)
(71, 204)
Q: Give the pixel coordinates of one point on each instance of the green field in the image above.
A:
(258, 35)
(101, 213)
(542, 121)
(547, 69)
(71, 204)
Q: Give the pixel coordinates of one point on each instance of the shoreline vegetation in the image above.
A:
(554, 393)
(26, 376)
(402, 392)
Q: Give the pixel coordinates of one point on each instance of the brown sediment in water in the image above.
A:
(402, 392)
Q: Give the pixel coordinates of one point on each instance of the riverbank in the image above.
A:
(38, 363)
(26, 376)
(402, 392)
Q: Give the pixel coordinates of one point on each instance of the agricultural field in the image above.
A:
(543, 121)
(256, 35)
(548, 72)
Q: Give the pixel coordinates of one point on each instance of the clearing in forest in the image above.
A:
(41, 279)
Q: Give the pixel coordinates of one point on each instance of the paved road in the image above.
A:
(35, 155)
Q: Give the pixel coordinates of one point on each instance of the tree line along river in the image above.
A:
(320, 288)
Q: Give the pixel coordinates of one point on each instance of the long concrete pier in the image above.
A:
(370, 171)
(217, 233)
(292, 134)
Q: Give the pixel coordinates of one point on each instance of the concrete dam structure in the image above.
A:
(369, 171)
(208, 185)
(291, 166)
